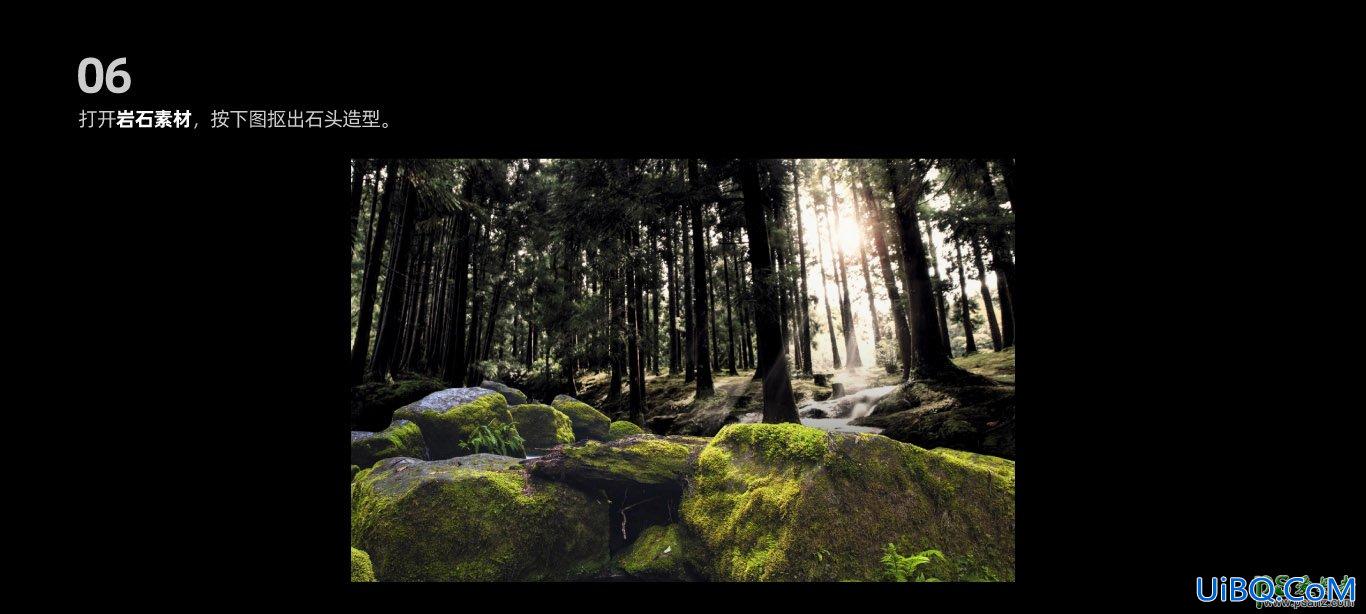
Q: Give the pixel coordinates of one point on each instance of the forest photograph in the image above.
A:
(691, 369)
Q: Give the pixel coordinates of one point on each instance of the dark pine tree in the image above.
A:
(779, 403)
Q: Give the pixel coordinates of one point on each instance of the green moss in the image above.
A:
(778, 442)
(402, 438)
(437, 521)
(997, 365)
(1000, 466)
(542, 426)
(445, 430)
(589, 423)
(354, 470)
(514, 396)
(777, 502)
(661, 553)
(622, 428)
(361, 570)
(640, 461)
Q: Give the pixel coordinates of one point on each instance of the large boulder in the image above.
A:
(361, 569)
(648, 463)
(541, 426)
(373, 405)
(589, 423)
(962, 411)
(463, 520)
(449, 417)
(622, 428)
(662, 553)
(792, 503)
(642, 476)
(402, 438)
(514, 396)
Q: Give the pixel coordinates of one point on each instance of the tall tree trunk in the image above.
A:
(412, 345)
(675, 352)
(689, 325)
(395, 290)
(746, 350)
(867, 274)
(825, 298)
(927, 351)
(938, 289)
(374, 261)
(357, 186)
(636, 400)
(496, 304)
(730, 323)
(986, 295)
(654, 302)
(1007, 310)
(702, 363)
(616, 339)
(779, 403)
(454, 372)
(851, 352)
(479, 270)
(1001, 259)
(804, 305)
(876, 222)
(969, 343)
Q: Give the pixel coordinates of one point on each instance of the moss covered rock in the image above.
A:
(402, 438)
(648, 462)
(542, 426)
(450, 520)
(373, 405)
(361, 570)
(449, 417)
(514, 396)
(589, 423)
(793, 503)
(661, 552)
(622, 428)
(643, 477)
(1002, 467)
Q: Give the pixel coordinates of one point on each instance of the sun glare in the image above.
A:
(849, 236)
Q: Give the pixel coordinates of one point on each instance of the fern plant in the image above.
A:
(899, 568)
(495, 437)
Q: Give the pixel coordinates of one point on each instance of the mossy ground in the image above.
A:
(437, 521)
(999, 366)
(786, 502)
(971, 410)
(661, 552)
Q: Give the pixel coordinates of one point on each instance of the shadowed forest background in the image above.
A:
(608, 279)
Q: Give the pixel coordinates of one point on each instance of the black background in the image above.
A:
(188, 295)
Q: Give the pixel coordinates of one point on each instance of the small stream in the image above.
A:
(834, 415)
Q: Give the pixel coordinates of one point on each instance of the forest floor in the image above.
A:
(669, 394)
